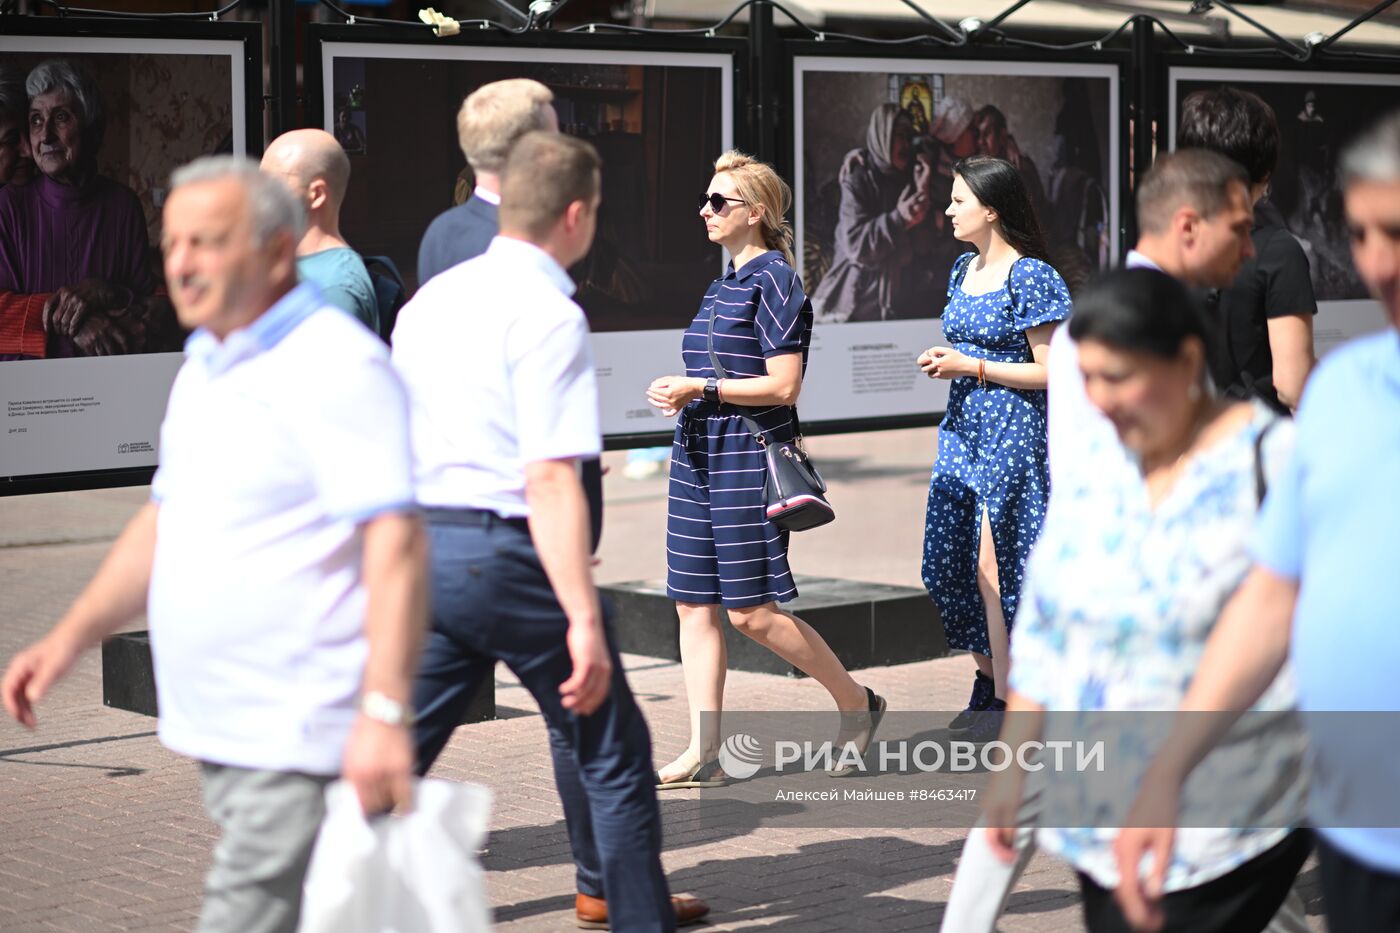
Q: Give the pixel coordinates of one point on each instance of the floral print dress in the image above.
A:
(991, 450)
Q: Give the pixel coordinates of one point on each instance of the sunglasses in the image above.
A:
(717, 202)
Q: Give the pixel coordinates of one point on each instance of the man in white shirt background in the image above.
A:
(280, 561)
(1194, 219)
(504, 404)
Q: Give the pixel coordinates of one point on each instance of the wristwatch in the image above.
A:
(712, 390)
(381, 708)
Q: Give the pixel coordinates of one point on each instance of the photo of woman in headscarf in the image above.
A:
(885, 228)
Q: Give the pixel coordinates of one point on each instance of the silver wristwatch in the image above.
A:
(381, 708)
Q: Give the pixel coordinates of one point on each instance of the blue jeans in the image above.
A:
(491, 601)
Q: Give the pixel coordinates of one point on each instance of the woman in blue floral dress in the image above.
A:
(991, 483)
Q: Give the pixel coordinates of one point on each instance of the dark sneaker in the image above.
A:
(984, 691)
(985, 725)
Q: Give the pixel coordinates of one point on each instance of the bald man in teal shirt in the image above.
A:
(317, 170)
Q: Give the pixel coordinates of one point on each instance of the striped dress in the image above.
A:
(720, 546)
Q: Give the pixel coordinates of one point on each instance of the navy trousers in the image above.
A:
(491, 601)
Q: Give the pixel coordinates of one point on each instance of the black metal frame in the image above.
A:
(763, 89)
(319, 33)
(85, 27)
(786, 161)
(1243, 65)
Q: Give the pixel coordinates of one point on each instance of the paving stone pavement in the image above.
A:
(102, 829)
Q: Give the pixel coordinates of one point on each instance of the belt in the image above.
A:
(477, 518)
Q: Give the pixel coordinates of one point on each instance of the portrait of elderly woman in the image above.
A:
(887, 233)
(75, 271)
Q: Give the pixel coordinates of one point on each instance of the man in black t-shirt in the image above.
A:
(1277, 282)
(1266, 314)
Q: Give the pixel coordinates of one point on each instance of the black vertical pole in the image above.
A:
(763, 82)
(1143, 109)
(283, 66)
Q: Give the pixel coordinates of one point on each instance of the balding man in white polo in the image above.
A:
(281, 562)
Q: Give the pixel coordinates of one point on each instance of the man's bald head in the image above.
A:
(301, 157)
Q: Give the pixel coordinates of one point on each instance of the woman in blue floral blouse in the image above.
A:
(1121, 593)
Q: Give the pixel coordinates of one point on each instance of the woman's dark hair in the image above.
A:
(1140, 311)
(998, 185)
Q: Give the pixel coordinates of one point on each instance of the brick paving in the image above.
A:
(102, 829)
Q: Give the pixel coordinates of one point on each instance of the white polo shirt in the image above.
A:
(496, 358)
(1075, 426)
(277, 444)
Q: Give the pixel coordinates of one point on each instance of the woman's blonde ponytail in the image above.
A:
(757, 183)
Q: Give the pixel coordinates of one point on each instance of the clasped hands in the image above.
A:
(672, 393)
(93, 314)
(946, 363)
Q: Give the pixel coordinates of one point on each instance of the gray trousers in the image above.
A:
(268, 821)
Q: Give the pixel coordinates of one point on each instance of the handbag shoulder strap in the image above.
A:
(1261, 480)
(754, 427)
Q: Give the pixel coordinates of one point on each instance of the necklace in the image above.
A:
(1166, 477)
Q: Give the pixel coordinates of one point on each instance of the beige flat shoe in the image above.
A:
(697, 774)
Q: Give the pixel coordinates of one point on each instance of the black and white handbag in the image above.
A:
(793, 491)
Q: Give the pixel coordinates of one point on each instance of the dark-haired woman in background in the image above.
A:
(991, 481)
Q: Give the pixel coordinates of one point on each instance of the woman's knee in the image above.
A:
(987, 578)
(753, 621)
(697, 613)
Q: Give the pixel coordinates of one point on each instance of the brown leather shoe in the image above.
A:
(592, 912)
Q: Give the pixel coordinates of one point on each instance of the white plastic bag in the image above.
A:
(400, 874)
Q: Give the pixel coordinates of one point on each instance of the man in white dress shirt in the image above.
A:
(504, 404)
(280, 561)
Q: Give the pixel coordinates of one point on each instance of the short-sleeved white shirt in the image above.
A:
(1075, 426)
(278, 444)
(496, 358)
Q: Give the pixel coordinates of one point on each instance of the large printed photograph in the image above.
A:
(1318, 113)
(877, 140)
(88, 139)
(90, 130)
(658, 120)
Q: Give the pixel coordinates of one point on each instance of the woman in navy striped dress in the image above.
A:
(720, 547)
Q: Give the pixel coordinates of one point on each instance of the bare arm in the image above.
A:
(559, 529)
(378, 759)
(1291, 345)
(396, 580)
(947, 363)
(1025, 721)
(780, 386)
(115, 596)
